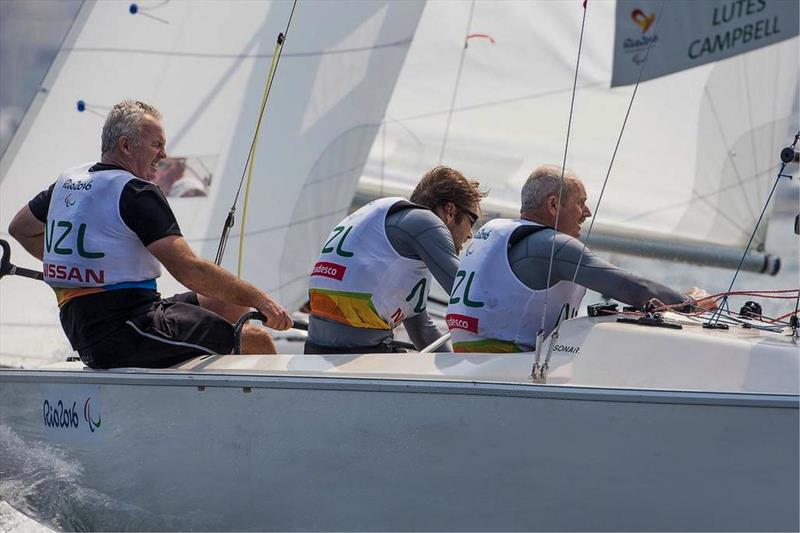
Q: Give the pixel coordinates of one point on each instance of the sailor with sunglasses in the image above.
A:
(375, 269)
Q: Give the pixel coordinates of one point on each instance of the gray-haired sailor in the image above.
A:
(375, 270)
(104, 229)
(498, 298)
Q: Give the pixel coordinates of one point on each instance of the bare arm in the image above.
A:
(28, 231)
(206, 278)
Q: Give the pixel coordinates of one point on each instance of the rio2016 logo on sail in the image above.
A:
(639, 45)
(59, 415)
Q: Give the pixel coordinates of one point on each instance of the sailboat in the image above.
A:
(634, 426)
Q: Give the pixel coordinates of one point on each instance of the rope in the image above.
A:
(249, 163)
(563, 166)
(787, 315)
(781, 294)
(251, 156)
(794, 313)
(455, 87)
(616, 147)
(716, 315)
(775, 295)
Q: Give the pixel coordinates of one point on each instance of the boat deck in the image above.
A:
(589, 352)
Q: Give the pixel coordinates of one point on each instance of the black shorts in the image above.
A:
(161, 334)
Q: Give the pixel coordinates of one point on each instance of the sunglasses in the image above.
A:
(473, 218)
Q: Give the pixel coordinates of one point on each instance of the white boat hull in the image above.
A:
(178, 450)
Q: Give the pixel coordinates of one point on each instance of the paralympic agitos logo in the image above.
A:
(87, 415)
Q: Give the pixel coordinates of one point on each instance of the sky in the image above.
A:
(31, 32)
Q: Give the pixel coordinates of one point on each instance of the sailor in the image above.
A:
(374, 271)
(499, 295)
(103, 230)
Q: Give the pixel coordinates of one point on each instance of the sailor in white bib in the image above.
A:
(375, 269)
(507, 288)
(490, 309)
(103, 230)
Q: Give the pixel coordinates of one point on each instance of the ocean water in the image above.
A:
(12, 521)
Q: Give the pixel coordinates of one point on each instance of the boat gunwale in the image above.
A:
(318, 381)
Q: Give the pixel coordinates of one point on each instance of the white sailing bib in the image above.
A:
(87, 244)
(359, 278)
(490, 309)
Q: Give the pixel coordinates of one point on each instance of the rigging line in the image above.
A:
(780, 321)
(204, 55)
(268, 86)
(727, 147)
(734, 321)
(229, 221)
(156, 6)
(383, 155)
(211, 94)
(718, 312)
(504, 101)
(794, 321)
(95, 112)
(200, 162)
(561, 184)
(345, 173)
(696, 197)
(148, 15)
(455, 87)
(269, 229)
(721, 213)
(787, 315)
(408, 130)
(724, 215)
(252, 155)
(774, 294)
(616, 148)
(775, 95)
(750, 121)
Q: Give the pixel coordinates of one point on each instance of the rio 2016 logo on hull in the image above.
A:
(57, 416)
(71, 414)
(65, 416)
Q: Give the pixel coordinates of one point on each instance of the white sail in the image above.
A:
(700, 150)
(204, 65)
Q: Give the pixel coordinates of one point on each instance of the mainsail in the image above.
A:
(698, 155)
(204, 64)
